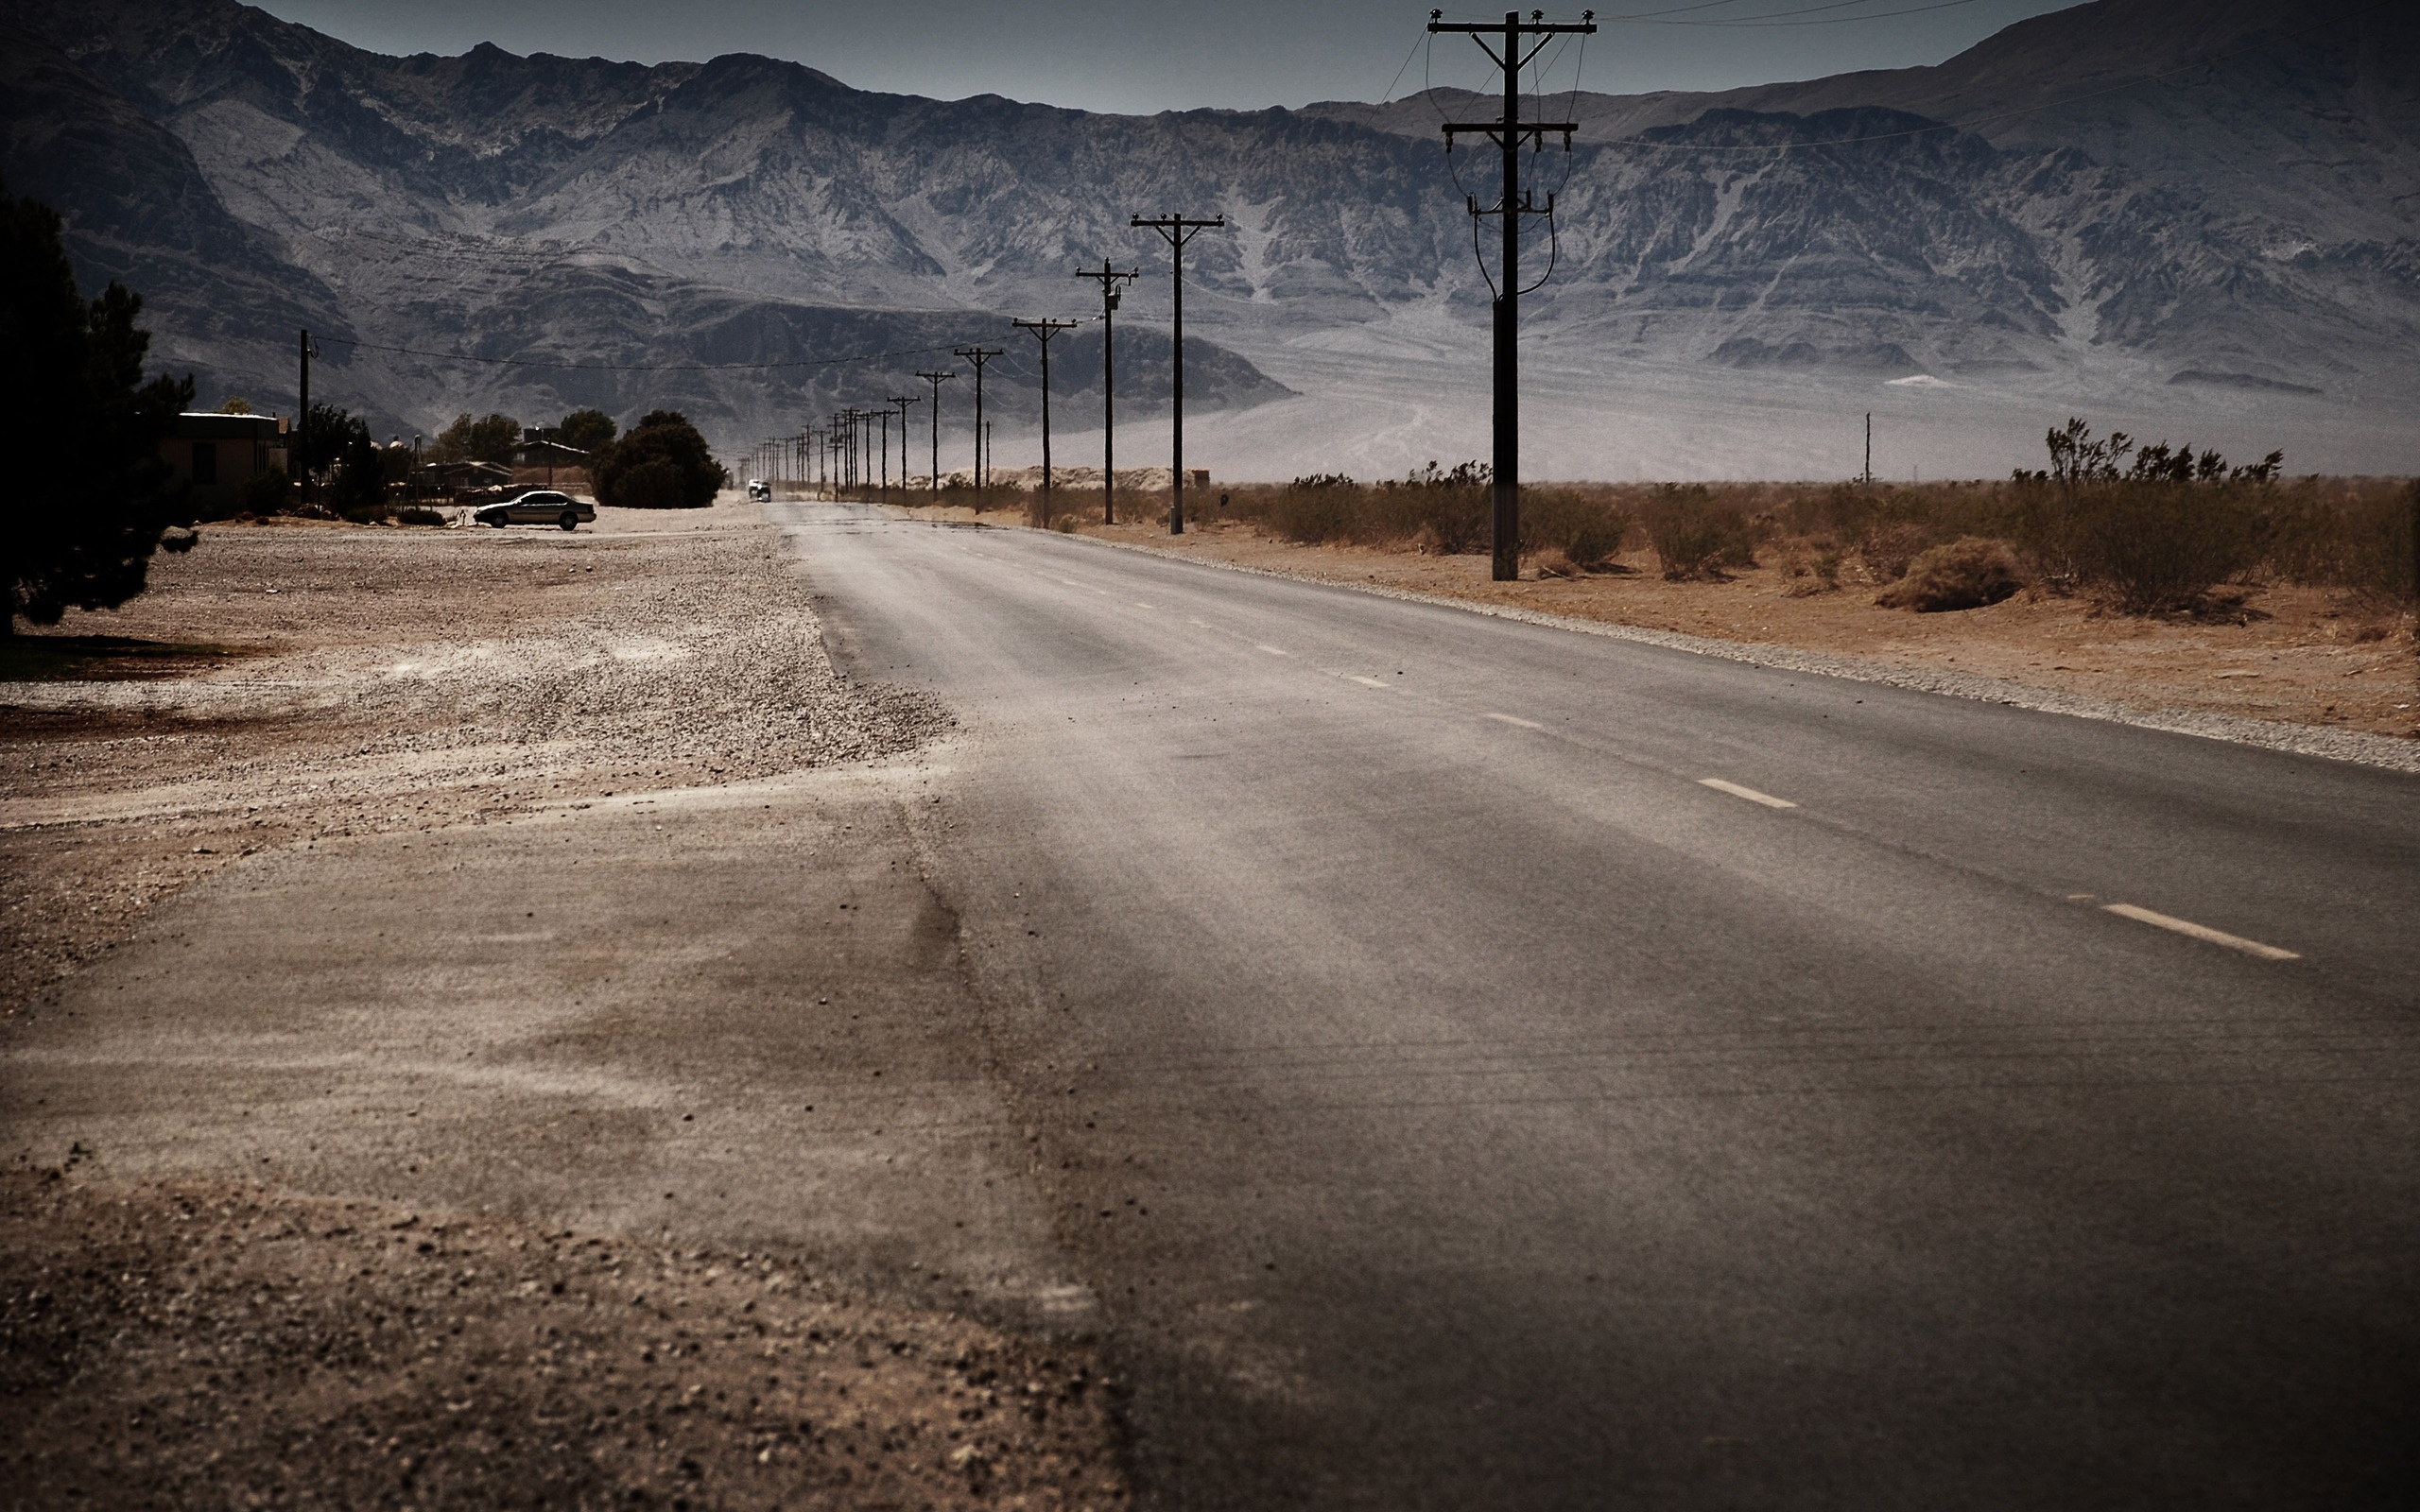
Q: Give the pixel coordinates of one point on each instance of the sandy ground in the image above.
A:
(2297, 655)
(295, 687)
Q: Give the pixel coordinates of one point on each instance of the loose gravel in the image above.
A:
(193, 1344)
(366, 679)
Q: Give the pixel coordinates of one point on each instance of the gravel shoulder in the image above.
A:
(2291, 669)
(198, 1344)
(355, 681)
(477, 1032)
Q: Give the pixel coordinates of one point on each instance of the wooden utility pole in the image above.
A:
(1109, 278)
(297, 451)
(1177, 231)
(903, 404)
(978, 356)
(1044, 330)
(1508, 133)
(936, 379)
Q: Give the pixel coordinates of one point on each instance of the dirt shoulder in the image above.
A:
(289, 683)
(475, 1035)
(2298, 656)
(195, 1343)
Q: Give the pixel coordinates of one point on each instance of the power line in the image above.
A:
(1970, 123)
(638, 367)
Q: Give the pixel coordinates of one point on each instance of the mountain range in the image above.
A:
(2198, 217)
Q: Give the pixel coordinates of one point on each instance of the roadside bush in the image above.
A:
(1968, 573)
(1585, 531)
(662, 464)
(1889, 549)
(269, 491)
(418, 515)
(2156, 533)
(1695, 534)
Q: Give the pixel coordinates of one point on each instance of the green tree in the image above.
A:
(338, 453)
(89, 499)
(492, 439)
(590, 430)
(662, 464)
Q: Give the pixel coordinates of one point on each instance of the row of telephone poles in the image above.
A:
(1512, 45)
(839, 453)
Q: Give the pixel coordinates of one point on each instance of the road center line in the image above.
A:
(1139, 604)
(1368, 682)
(1510, 719)
(1748, 793)
(2202, 932)
(1270, 649)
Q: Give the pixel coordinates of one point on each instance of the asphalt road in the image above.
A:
(1455, 1098)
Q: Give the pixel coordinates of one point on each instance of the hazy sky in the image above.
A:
(1143, 55)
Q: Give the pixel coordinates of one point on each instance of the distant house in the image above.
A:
(451, 478)
(216, 455)
(538, 452)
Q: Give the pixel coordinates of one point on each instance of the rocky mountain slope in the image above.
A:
(2093, 205)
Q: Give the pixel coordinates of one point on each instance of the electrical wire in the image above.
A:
(2212, 61)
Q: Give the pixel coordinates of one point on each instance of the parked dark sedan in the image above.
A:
(538, 506)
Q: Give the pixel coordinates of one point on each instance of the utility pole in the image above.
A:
(1044, 330)
(978, 356)
(936, 379)
(302, 422)
(1109, 277)
(883, 417)
(1869, 448)
(903, 404)
(1177, 231)
(1508, 133)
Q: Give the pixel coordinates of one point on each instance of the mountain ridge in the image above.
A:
(1835, 226)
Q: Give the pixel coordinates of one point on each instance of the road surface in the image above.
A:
(1480, 1065)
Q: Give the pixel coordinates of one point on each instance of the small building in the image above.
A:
(452, 479)
(537, 452)
(216, 455)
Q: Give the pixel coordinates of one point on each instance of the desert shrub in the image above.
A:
(1697, 535)
(1315, 516)
(268, 491)
(1584, 530)
(2156, 533)
(418, 515)
(1968, 573)
(1065, 524)
(1889, 549)
(2360, 534)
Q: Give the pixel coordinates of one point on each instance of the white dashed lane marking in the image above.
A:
(1368, 682)
(2201, 932)
(1748, 793)
(1516, 719)
(1270, 649)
